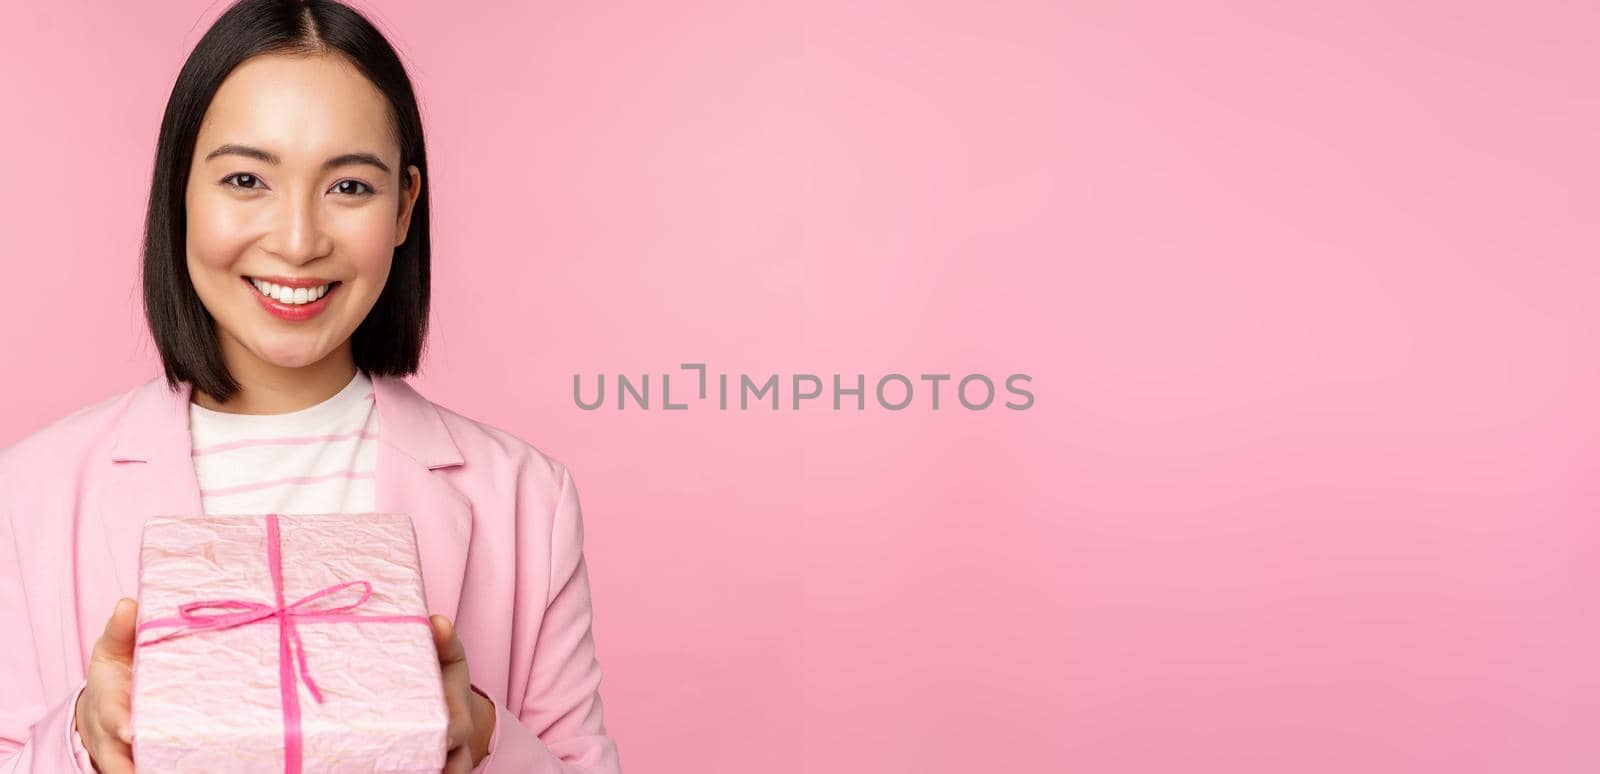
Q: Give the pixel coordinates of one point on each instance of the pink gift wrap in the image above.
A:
(212, 697)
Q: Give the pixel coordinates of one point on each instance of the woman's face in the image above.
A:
(296, 175)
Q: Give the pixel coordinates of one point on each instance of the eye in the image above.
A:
(248, 179)
(355, 189)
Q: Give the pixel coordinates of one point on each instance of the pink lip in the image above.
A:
(293, 282)
(296, 313)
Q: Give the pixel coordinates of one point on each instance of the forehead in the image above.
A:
(304, 108)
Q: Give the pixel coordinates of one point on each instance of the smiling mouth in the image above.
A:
(290, 296)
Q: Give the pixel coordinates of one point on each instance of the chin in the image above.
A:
(298, 359)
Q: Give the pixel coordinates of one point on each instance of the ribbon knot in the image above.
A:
(193, 621)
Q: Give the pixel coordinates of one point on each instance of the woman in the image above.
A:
(286, 275)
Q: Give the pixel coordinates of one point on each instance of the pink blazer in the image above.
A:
(499, 532)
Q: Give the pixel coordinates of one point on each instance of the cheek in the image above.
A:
(367, 238)
(217, 234)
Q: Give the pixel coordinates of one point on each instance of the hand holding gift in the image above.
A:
(102, 716)
(471, 713)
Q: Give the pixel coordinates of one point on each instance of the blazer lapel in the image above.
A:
(152, 473)
(414, 450)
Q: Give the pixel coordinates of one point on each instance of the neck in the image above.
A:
(268, 388)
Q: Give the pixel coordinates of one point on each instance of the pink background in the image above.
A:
(1306, 292)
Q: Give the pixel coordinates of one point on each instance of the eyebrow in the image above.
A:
(272, 158)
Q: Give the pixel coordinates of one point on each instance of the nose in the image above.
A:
(298, 236)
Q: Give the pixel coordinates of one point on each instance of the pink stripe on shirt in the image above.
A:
(294, 480)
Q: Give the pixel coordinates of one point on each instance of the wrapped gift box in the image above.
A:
(285, 643)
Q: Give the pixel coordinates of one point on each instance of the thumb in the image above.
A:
(116, 642)
(445, 640)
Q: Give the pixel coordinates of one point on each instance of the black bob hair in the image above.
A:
(390, 340)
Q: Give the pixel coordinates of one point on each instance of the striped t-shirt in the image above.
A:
(320, 459)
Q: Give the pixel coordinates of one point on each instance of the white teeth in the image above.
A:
(295, 296)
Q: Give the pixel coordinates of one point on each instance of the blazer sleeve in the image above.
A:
(36, 731)
(557, 727)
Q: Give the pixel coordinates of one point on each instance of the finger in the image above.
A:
(115, 723)
(460, 761)
(459, 730)
(116, 642)
(113, 757)
(446, 641)
(452, 663)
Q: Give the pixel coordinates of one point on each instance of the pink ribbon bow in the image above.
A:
(191, 621)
